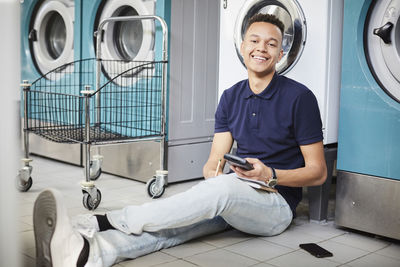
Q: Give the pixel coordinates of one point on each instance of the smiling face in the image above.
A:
(262, 48)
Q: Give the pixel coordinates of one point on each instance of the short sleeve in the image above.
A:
(307, 119)
(221, 115)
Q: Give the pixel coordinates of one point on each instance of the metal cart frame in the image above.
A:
(83, 115)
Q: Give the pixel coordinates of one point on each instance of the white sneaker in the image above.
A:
(57, 244)
(86, 224)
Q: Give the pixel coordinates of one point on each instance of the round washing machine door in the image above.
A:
(129, 41)
(290, 13)
(382, 45)
(52, 35)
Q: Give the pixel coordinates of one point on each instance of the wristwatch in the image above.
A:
(273, 180)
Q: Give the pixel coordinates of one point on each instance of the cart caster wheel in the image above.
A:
(153, 189)
(96, 175)
(23, 186)
(90, 203)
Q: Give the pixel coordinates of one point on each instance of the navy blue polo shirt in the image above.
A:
(271, 125)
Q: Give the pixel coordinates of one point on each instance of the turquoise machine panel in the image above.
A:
(369, 124)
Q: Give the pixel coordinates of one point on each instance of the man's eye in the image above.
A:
(253, 41)
(272, 44)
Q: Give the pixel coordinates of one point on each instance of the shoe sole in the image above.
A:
(44, 225)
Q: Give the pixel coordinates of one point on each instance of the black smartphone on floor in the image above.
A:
(316, 250)
(238, 162)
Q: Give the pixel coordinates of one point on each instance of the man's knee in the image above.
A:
(226, 185)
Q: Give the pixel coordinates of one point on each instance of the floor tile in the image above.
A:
(30, 252)
(226, 238)
(324, 231)
(374, 260)
(26, 261)
(364, 242)
(220, 258)
(258, 249)
(26, 220)
(292, 238)
(155, 258)
(300, 259)
(178, 263)
(263, 264)
(188, 249)
(341, 252)
(393, 251)
(23, 227)
(27, 240)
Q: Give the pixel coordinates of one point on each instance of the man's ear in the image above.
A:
(280, 55)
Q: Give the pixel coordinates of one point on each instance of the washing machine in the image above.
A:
(311, 45)
(125, 42)
(192, 81)
(134, 40)
(368, 185)
(49, 39)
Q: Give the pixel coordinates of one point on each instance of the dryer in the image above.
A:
(49, 39)
(311, 44)
(368, 186)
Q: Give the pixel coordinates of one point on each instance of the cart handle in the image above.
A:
(129, 18)
(163, 143)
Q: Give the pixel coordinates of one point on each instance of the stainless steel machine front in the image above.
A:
(368, 203)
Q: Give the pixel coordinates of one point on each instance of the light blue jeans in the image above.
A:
(211, 206)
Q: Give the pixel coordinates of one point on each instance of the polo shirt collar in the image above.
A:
(268, 92)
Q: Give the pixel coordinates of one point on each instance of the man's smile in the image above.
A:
(259, 58)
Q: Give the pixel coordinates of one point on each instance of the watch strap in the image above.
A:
(273, 173)
(273, 180)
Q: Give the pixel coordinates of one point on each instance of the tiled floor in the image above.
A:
(231, 248)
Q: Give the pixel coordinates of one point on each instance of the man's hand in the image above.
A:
(313, 173)
(260, 172)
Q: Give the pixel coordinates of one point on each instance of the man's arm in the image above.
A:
(313, 173)
(221, 145)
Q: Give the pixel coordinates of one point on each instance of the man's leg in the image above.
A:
(249, 210)
(112, 246)
(58, 244)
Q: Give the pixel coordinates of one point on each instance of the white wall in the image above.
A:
(9, 94)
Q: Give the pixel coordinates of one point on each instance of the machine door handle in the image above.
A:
(102, 34)
(384, 32)
(32, 35)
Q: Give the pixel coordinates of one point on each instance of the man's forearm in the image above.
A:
(211, 169)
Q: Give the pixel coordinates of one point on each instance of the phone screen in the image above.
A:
(316, 250)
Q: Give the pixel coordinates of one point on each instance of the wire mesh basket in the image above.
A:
(127, 106)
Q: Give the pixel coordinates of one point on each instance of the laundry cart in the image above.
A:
(87, 107)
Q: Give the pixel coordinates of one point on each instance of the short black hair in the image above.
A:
(269, 18)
